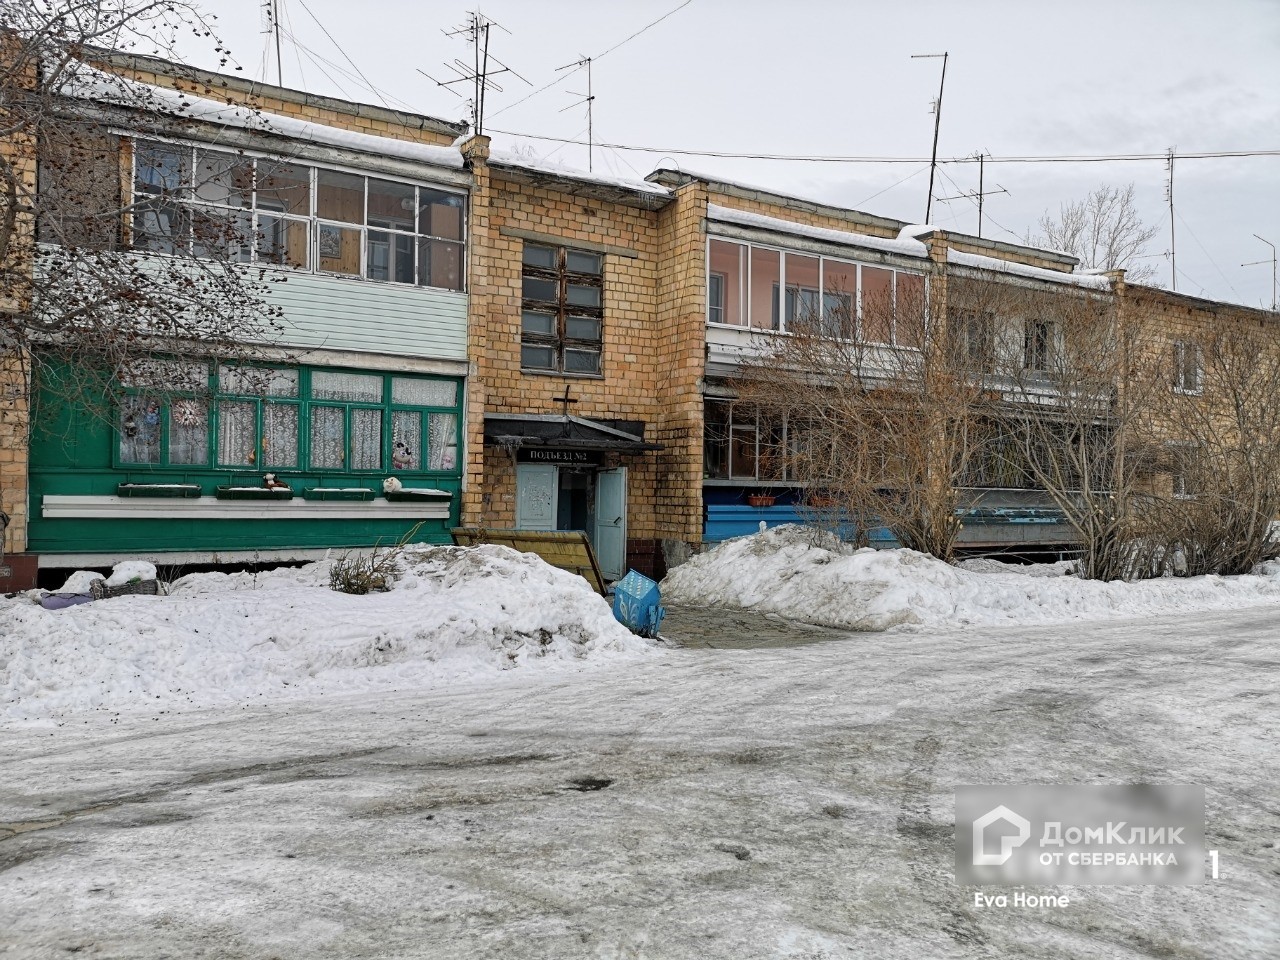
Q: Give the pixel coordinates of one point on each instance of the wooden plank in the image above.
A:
(569, 550)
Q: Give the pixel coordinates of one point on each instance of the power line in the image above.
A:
(1064, 158)
(354, 65)
(1207, 254)
(562, 78)
(896, 183)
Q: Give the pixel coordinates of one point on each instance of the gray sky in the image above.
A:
(820, 77)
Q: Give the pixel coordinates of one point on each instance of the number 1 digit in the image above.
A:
(1213, 864)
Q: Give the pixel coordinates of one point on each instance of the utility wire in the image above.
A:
(898, 183)
(354, 65)
(1064, 158)
(1206, 253)
(565, 76)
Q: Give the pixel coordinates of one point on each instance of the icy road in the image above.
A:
(791, 800)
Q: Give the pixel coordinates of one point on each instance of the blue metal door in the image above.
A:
(611, 522)
(536, 496)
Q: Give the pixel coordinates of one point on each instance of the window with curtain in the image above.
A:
(284, 418)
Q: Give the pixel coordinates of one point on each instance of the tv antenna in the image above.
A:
(271, 13)
(1173, 237)
(478, 71)
(937, 124)
(980, 192)
(1272, 261)
(588, 99)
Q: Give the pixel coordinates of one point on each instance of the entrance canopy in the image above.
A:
(537, 430)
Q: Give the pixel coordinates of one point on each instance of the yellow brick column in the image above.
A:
(682, 305)
(13, 452)
(481, 237)
(17, 152)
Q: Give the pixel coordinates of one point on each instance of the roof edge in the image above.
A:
(215, 80)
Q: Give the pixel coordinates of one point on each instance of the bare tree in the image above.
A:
(880, 416)
(1222, 453)
(1103, 230)
(95, 281)
(1079, 399)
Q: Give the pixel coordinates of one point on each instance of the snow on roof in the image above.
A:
(979, 262)
(97, 85)
(769, 191)
(914, 231)
(557, 168)
(904, 247)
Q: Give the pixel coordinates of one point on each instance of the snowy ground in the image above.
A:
(783, 802)
(804, 574)
(455, 614)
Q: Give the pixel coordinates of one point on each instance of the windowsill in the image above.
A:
(556, 373)
(868, 344)
(286, 269)
(1185, 392)
(745, 482)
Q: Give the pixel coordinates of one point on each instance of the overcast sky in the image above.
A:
(824, 78)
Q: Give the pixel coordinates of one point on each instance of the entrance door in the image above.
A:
(536, 496)
(611, 522)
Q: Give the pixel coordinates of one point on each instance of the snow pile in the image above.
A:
(805, 575)
(456, 614)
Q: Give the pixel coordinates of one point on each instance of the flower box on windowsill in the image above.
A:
(255, 493)
(761, 500)
(187, 491)
(338, 493)
(418, 495)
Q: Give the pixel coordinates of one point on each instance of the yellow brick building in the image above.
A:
(601, 324)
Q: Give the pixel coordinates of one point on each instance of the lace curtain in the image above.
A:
(442, 441)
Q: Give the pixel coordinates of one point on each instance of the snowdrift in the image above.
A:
(456, 614)
(804, 574)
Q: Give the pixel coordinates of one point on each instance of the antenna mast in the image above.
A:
(937, 124)
(588, 99)
(981, 155)
(1173, 236)
(477, 73)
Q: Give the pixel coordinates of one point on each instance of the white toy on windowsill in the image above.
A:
(271, 483)
(392, 485)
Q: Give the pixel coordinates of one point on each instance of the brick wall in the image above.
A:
(356, 117)
(18, 153)
(652, 345)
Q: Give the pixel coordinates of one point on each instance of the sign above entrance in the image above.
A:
(570, 458)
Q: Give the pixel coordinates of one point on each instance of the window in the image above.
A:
(1185, 463)
(715, 298)
(282, 419)
(253, 209)
(741, 443)
(164, 418)
(1040, 346)
(727, 271)
(1188, 367)
(562, 315)
(768, 289)
(973, 336)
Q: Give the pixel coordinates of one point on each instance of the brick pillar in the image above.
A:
(13, 451)
(480, 250)
(682, 290)
(17, 153)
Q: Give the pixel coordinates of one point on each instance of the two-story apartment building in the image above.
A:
(525, 345)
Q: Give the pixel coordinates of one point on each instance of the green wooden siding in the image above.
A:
(74, 453)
